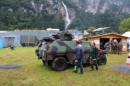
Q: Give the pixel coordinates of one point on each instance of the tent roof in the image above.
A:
(126, 34)
(106, 35)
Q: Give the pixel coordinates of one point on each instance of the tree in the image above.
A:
(42, 28)
(124, 26)
(90, 30)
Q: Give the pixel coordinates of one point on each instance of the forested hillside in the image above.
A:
(41, 14)
(20, 14)
(84, 20)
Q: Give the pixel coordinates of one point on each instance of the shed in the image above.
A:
(9, 40)
(100, 40)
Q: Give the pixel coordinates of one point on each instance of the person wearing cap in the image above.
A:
(79, 57)
(106, 47)
(93, 56)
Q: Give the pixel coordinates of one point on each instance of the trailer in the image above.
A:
(27, 40)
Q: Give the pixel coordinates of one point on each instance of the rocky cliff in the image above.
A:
(48, 11)
(91, 6)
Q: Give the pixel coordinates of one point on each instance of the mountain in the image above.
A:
(41, 14)
(101, 6)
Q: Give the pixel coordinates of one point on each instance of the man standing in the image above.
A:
(79, 57)
(128, 46)
(106, 46)
(93, 56)
(119, 48)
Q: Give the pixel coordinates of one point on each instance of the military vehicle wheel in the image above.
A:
(43, 61)
(102, 60)
(59, 64)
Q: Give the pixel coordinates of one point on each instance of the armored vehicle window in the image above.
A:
(86, 46)
(72, 44)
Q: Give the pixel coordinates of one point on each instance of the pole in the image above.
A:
(28, 40)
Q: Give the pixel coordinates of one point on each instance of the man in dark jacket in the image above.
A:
(93, 56)
(79, 56)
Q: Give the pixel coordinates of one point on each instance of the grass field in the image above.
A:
(34, 73)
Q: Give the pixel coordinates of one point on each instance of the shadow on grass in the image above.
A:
(122, 67)
(69, 67)
(11, 66)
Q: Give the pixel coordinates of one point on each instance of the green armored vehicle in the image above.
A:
(59, 51)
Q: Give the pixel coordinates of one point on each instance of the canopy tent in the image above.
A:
(127, 34)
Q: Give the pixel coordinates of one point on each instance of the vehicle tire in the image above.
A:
(43, 61)
(102, 60)
(59, 64)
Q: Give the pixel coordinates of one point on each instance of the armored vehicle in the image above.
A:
(61, 51)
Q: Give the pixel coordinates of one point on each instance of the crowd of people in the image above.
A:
(116, 47)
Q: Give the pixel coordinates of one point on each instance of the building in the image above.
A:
(13, 37)
(100, 40)
(52, 29)
(86, 32)
(77, 34)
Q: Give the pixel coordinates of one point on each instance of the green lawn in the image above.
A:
(34, 73)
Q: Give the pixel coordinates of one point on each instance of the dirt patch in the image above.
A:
(11, 66)
(122, 67)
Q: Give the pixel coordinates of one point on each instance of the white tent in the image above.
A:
(127, 34)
